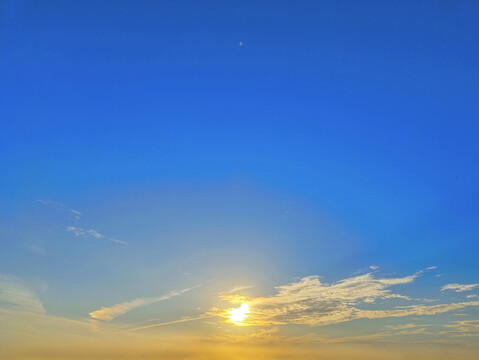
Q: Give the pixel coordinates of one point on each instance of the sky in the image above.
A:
(239, 179)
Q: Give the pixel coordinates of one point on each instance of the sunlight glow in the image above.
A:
(239, 314)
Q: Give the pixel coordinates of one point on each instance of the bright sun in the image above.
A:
(239, 314)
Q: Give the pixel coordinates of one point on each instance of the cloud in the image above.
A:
(374, 267)
(61, 207)
(108, 313)
(466, 327)
(401, 327)
(459, 287)
(311, 302)
(170, 322)
(76, 214)
(78, 231)
(414, 310)
(431, 268)
(14, 295)
(238, 288)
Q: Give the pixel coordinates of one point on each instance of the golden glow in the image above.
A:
(239, 314)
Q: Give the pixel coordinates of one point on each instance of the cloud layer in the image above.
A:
(311, 302)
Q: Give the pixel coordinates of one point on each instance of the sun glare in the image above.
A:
(239, 314)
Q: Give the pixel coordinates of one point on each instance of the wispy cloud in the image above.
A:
(14, 295)
(78, 231)
(311, 302)
(466, 327)
(238, 288)
(366, 270)
(62, 207)
(170, 322)
(415, 310)
(108, 313)
(401, 327)
(459, 287)
(76, 214)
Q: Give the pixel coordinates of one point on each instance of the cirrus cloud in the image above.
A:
(14, 295)
(459, 287)
(108, 313)
(312, 302)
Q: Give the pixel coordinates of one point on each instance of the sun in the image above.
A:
(239, 314)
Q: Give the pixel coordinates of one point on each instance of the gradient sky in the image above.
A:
(163, 162)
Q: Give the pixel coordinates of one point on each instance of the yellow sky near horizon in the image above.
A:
(307, 318)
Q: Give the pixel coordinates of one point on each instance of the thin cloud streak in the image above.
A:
(78, 231)
(62, 207)
(459, 287)
(108, 313)
(170, 322)
(238, 288)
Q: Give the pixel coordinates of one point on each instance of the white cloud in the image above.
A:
(311, 302)
(459, 287)
(414, 310)
(108, 313)
(62, 207)
(78, 231)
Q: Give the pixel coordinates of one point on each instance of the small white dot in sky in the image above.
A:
(240, 43)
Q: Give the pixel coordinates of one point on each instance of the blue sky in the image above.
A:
(246, 142)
